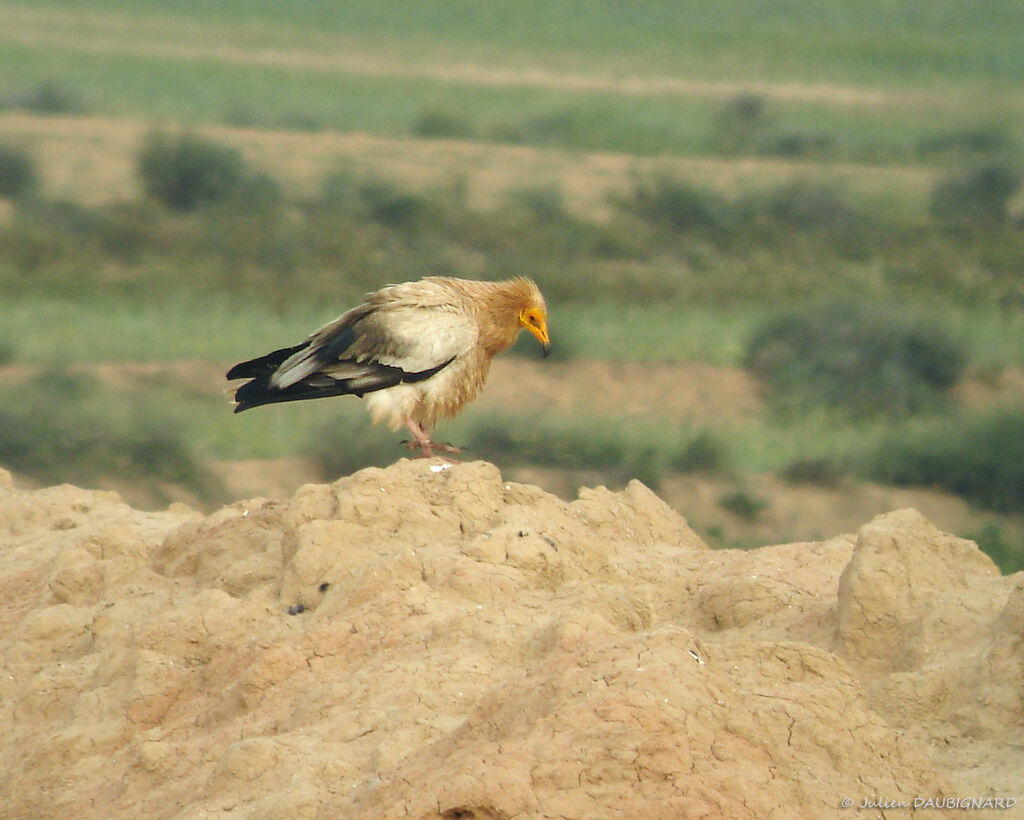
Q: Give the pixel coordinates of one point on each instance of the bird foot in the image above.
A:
(426, 449)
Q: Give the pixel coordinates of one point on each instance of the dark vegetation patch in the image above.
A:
(212, 220)
(978, 457)
(17, 172)
(62, 427)
(859, 358)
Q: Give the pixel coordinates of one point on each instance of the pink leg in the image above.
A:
(419, 439)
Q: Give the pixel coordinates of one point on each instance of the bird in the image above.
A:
(416, 352)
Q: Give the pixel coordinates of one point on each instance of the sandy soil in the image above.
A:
(437, 643)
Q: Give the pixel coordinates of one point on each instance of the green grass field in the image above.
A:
(611, 78)
(912, 43)
(46, 330)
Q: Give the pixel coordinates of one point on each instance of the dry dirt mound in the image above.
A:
(420, 642)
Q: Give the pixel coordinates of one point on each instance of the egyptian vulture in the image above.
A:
(417, 352)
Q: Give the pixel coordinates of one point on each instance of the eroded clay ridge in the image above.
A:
(418, 642)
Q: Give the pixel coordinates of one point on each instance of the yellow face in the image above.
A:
(535, 320)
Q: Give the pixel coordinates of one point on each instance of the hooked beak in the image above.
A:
(541, 335)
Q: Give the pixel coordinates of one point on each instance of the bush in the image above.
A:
(567, 126)
(739, 124)
(545, 202)
(742, 504)
(17, 172)
(972, 140)
(46, 232)
(821, 471)
(862, 359)
(805, 206)
(976, 197)
(60, 427)
(676, 204)
(980, 458)
(816, 208)
(704, 452)
(50, 96)
(388, 205)
(797, 144)
(440, 123)
(186, 171)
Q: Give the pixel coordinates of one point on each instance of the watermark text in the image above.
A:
(944, 802)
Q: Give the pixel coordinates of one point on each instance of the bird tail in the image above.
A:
(258, 392)
(263, 365)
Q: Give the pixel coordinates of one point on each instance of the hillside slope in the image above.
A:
(432, 642)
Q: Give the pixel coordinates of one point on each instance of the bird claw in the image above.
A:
(426, 449)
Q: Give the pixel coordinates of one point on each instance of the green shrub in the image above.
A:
(186, 171)
(676, 204)
(980, 458)
(808, 205)
(969, 141)
(742, 504)
(739, 124)
(704, 452)
(811, 208)
(863, 359)
(976, 197)
(820, 471)
(800, 144)
(441, 123)
(62, 427)
(50, 96)
(17, 172)
(388, 205)
(566, 126)
(545, 202)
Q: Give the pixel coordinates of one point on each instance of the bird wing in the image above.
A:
(381, 343)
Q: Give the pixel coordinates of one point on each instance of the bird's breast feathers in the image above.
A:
(432, 399)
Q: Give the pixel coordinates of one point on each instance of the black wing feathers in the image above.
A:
(259, 391)
(333, 348)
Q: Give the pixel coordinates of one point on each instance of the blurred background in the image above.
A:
(782, 244)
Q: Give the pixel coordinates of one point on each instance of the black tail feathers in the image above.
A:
(263, 365)
(259, 392)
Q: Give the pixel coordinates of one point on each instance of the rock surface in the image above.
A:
(425, 642)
